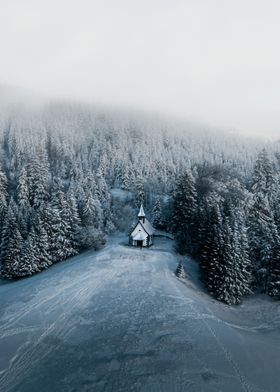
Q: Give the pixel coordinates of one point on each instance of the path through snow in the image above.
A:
(119, 320)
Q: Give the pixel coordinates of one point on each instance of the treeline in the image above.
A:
(45, 219)
(232, 227)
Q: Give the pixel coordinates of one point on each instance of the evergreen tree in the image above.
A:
(185, 208)
(263, 237)
(139, 190)
(127, 179)
(29, 260)
(102, 187)
(3, 197)
(264, 177)
(11, 244)
(210, 250)
(24, 219)
(180, 272)
(80, 195)
(41, 241)
(274, 274)
(203, 223)
(74, 218)
(11, 255)
(89, 184)
(238, 277)
(91, 213)
(23, 195)
(157, 214)
(51, 223)
(38, 180)
(225, 262)
(3, 183)
(63, 225)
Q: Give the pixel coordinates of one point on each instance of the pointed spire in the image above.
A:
(141, 212)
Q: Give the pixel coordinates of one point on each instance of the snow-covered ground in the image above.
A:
(119, 320)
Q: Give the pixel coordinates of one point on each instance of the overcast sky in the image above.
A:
(214, 61)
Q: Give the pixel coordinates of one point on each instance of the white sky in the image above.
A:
(215, 61)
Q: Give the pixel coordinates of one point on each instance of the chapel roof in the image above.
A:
(140, 236)
(141, 211)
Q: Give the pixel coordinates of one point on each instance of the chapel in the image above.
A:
(143, 232)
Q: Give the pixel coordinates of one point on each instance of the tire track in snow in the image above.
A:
(229, 357)
(194, 315)
(17, 331)
(140, 325)
(62, 287)
(36, 305)
(136, 304)
(139, 305)
(23, 364)
(246, 386)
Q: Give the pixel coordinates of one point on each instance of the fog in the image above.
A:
(212, 61)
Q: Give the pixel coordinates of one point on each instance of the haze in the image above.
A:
(212, 61)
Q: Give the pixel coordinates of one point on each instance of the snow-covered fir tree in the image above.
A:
(38, 180)
(29, 258)
(273, 286)
(180, 271)
(157, 214)
(225, 262)
(263, 237)
(64, 225)
(23, 195)
(11, 244)
(139, 190)
(185, 209)
(3, 197)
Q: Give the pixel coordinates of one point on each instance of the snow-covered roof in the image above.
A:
(141, 211)
(138, 228)
(145, 227)
(140, 236)
(148, 227)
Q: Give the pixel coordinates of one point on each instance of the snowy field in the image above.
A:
(119, 320)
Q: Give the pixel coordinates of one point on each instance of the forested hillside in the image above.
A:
(63, 164)
(231, 226)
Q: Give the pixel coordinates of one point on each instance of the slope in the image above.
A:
(119, 320)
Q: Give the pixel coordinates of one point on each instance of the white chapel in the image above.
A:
(143, 232)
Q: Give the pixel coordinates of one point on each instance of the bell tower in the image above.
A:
(141, 215)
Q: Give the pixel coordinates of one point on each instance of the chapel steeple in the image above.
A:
(141, 214)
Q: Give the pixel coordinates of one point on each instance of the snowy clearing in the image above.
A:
(119, 320)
